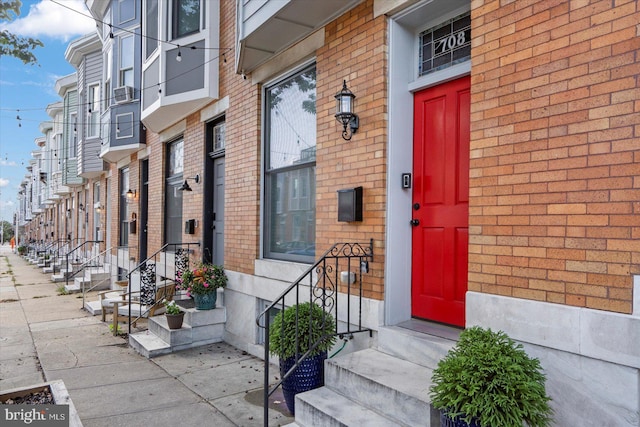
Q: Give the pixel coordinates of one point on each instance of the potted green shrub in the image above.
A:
(314, 327)
(174, 315)
(488, 380)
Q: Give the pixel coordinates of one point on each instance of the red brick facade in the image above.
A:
(555, 151)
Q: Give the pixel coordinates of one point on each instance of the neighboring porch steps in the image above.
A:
(377, 387)
(94, 278)
(200, 327)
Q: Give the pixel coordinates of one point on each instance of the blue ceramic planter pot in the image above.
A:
(445, 421)
(307, 376)
(206, 301)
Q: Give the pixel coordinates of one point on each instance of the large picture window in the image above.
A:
(290, 167)
(186, 17)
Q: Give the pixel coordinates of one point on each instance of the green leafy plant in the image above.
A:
(204, 279)
(61, 290)
(171, 307)
(490, 379)
(314, 325)
(119, 330)
(22, 250)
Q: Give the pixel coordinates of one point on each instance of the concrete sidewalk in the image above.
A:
(45, 336)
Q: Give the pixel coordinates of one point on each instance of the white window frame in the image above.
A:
(120, 2)
(173, 7)
(121, 69)
(124, 125)
(93, 110)
(153, 38)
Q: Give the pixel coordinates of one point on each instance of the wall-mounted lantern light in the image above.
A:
(344, 112)
(185, 186)
(131, 195)
(81, 207)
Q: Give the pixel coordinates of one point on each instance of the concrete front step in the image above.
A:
(392, 381)
(417, 347)
(200, 327)
(93, 307)
(396, 388)
(324, 407)
(93, 282)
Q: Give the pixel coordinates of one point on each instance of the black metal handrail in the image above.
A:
(70, 274)
(322, 278)
(53, 250)
(48, 248)
(148, 274)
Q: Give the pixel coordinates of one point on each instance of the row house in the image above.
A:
(493, 157)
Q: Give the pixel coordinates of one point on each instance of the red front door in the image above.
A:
(441, 202)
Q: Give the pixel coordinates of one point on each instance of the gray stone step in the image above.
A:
(93, 307)
(148, 344)
(200, 327)
(417, 347)
(324, 407)
(396, 388)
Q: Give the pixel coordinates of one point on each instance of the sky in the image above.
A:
(26, 90)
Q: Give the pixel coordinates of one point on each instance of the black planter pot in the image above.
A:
(307, 376)
(445, 421)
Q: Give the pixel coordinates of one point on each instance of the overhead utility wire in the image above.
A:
(113, 97)
(134, 33)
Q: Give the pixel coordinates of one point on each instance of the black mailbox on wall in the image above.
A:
(350, 204)
(190, 226)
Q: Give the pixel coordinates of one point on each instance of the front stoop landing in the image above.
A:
(200, 327)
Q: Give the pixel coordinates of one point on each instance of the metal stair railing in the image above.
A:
(70, 253)
(148, 272)
(91, 263)
(324, 287)
(49, 249)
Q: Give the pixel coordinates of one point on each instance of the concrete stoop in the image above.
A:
(94, 279)
(384, 386)
(200, 327)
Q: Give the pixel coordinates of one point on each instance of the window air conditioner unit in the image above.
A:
(123, 94)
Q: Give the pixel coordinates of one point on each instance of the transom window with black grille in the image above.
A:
(445, 45)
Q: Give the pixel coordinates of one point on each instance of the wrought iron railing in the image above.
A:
(173, 259)
(330, 282)
(51, 252)
(74, 257)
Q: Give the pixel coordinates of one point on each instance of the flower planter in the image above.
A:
(57, 390)
(206, 301)
(308, 376)
(174, 321)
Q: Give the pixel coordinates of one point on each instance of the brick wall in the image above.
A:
(355, 50)
(243, 156)
(155, 230)
(555, 151)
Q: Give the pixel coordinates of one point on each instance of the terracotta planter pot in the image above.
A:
(175, 320)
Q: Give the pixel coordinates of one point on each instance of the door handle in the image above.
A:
(415, 222)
